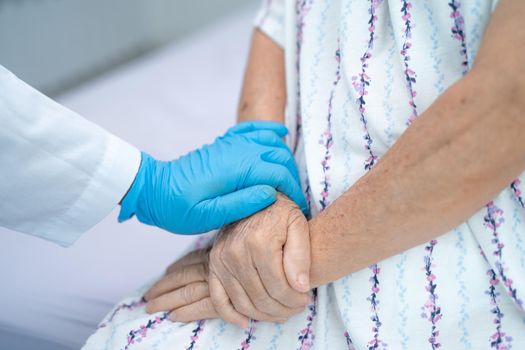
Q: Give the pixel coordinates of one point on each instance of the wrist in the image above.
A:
(318, 260)
(129, 203)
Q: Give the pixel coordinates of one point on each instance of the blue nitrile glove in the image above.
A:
(233, 178)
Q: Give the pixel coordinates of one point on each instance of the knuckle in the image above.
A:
(260, 303)
(235, 253)
(242, 307)
(280, 292)
(258, 240)
(264, 304)
(220, 303)
(187, 294)
(202, 270)
(174, 276)
(152, 306)
(205, 306)
(216, 252)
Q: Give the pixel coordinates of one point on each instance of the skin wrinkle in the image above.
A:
(258, 235)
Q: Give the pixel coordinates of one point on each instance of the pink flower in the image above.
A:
(454, 14)
(431, 277)
(494, 282)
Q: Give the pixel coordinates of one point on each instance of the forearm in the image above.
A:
(263, 95)
(458, 155)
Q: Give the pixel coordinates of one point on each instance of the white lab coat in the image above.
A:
(59, 173)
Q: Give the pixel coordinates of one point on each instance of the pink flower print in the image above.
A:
(375, 342)
(515, 187)
(302, 8)
(136, 336)
(410, 75)
(431, 311)
(245, 344)
(326, 137)
(360, 85)
(195, 334)
(125, 306)
(306, 335)
(493, 220)
(458, 32)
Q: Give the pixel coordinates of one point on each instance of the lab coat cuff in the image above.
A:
(129, 204)
(108, 186)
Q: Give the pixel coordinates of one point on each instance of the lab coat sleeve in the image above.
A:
(270, 20)
(59, 173)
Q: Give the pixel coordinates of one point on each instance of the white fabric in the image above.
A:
(157, 104)
(61, 174)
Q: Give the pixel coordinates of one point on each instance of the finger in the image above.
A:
(186, 295)
(244, 127)
(284, 158)
(263, 302)
(222, 304)
(280, 178)
(176, 279)
(271, 272)
(242, 302)
(200, 310)
(266, 138)
(194, 257)
(237, 205)
(296, 254)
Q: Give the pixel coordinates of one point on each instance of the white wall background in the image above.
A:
(57, 44)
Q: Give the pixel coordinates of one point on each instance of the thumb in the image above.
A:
(224, 210)
(296, 254)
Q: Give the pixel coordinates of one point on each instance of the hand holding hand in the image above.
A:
(259, 266)
(234, 177)
(278, 237)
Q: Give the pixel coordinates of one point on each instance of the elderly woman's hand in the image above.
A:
(183, 291)
(254, 272)
(259, 266)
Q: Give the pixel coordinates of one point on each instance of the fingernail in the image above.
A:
(172, 317)
(304, 281)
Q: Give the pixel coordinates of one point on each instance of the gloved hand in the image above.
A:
(235, 177)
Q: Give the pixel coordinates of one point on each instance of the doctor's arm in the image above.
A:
(61, 174)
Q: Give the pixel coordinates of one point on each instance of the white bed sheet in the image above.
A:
(166, 104)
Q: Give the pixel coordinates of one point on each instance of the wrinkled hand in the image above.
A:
(259, 266)
(184, 290)
(277, 236)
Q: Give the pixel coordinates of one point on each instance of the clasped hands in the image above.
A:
(258, 268)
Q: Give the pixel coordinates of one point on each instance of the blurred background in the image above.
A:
(164, 75)
(57, 44)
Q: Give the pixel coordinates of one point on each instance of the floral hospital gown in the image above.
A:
(358, 73)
